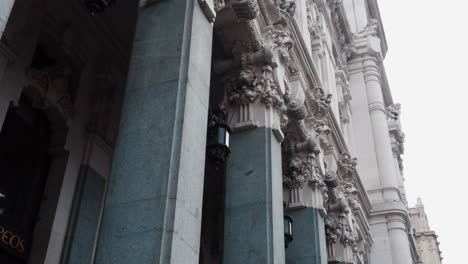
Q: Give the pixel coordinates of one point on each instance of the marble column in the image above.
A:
(378, 117)
(254, 200)
(152, 212)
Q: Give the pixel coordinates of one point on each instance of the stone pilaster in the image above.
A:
(152, 213)
(383, 147)
(389, 221)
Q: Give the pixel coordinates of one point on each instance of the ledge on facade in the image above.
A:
(387, 206)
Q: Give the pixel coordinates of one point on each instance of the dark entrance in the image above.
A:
(24, 165)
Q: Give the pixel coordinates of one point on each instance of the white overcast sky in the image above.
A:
(427, 71)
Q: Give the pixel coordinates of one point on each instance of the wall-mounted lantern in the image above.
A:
(218, 138)
(97, 6)
(288, 230)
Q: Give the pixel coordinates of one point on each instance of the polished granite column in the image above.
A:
(253, 231)
(309, 244)
(153, 208)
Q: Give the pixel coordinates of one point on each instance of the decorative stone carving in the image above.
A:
(255, 78)
(243, 89)
(248, 87)
(321, 102)
(393, 112)
(336, 202)
(288, 6)
(296, 173)
(371, 29)
(337, 230)
(314, 21)
(282, 42)
(269, 91)
(347, 167)
(351, 194)
(245, 9)
(301, 148)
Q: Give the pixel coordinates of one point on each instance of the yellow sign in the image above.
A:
(11, 240)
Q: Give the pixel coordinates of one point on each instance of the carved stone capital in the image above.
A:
(337, 230)
(288, 6)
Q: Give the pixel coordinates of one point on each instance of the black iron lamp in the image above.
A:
(97, 6)
(218, 139)
(222, 134)
(288, 232)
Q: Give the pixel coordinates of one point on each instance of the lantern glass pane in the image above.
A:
(227, 138)
(221, 135)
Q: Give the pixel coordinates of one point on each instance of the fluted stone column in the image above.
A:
(378, 117)
(396, 227)
(153, 209)
(254, 202)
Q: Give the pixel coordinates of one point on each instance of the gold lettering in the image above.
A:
(12, 240)
(14, 245)
(20, 246)
(5, 237)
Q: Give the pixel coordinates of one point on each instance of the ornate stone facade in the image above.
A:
(135, 167)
